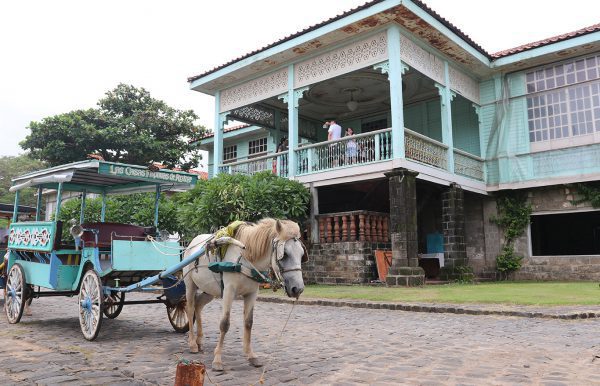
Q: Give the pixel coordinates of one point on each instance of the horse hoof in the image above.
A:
(193, 349)
(217, 367)
(255, 362)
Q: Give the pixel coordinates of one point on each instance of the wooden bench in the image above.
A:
(108, 231)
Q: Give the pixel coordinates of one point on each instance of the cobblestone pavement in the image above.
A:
(321, 345)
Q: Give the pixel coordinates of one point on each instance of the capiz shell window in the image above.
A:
(563, 102)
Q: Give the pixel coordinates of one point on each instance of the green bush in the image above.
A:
(226, 198)
(135, 209)
(508, 261)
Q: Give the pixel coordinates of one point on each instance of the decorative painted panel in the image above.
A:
(346, 59)
(254, 90)
(573, 161)
(256, 114)
(33, 236)
(464, 85)
(421, 60)
(468, 165)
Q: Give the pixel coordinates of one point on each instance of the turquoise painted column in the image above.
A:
(291, 98)
(38, 207)
(103, 212)
(395, 70)
(15, 217)
(156, 205)
(220, 119)
(446, 97)
(58, 201)
(82, 208)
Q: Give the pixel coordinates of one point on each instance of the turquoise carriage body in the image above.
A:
(118, 254)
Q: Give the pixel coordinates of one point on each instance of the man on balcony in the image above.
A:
(334, 132)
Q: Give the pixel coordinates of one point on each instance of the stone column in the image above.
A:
(405, 268)
(453, 224)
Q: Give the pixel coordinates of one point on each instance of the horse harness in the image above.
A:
(273, 277)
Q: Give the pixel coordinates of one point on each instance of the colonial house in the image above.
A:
(441, 129)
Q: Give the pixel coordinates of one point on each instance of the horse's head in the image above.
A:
(290, 252)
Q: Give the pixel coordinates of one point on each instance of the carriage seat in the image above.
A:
(108, 231)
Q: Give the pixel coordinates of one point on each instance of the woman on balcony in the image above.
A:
(351, 148)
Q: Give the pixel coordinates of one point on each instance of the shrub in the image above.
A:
(226, 198)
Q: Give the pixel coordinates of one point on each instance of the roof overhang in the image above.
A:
(413, 16)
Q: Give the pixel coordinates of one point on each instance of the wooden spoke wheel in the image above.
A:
(113, 304)
(178, 317)
(91, 301)
(15, 294)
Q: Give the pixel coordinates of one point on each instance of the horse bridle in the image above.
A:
(278, 254)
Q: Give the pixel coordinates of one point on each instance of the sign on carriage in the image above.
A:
(139, 172)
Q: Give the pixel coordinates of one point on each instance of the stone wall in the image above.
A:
(555, 199)
(342, 263)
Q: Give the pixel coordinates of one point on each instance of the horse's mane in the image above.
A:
(258, 237)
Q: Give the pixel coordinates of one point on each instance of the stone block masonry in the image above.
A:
(342, 263)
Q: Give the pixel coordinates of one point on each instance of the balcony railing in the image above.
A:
(350, 151)
(361, 149)
(468, 165)
(423, 149)
(354, 226)
(276, 163)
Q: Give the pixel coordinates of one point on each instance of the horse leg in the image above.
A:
(190, 307)
(228, 295)
(202, 299)
(249, 301)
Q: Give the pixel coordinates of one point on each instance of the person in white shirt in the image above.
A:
(335, 130)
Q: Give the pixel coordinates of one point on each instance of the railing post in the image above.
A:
(361, 226)
(336, 229)
(367, 228)
(309, 158)
(322, 230)
(352, 227)
(329, 233)
(344, 228)
(374, 229)
(386, 234)
(377, 149)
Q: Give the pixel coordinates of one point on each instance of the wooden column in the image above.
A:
(344, 228)
(336, 228)
(329, 233)
(361, 227)
(321, 230)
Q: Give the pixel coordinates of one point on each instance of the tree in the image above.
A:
(128, 126)
(216, 202)
(14, 166)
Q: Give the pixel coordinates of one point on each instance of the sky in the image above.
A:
(58, 56)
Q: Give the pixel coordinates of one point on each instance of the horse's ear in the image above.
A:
(278, 226)
(305, 255)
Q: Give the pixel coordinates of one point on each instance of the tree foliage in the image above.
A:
(225, 198)
(14, 166)
(135, 209)
(128, 126)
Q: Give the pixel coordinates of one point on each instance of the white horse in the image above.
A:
(269, 244)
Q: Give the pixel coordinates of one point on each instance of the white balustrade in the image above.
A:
(468, 165)
(348, 151)
(421, 148)
(276, 163)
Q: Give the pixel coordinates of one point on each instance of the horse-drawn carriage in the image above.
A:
(101, 260)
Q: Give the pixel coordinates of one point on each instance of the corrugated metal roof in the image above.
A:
(544, 42)
(368, 4)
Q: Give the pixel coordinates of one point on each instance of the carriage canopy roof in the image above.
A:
(105, 177)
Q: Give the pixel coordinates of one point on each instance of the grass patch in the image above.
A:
(510, 293)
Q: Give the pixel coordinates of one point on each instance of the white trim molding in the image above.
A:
(254, 90)
(351, 57)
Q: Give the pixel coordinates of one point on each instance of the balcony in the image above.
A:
(358, 150)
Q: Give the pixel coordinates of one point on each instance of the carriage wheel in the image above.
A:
(15, 294)
(178, 317)
(113, 304)
(91, 301)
